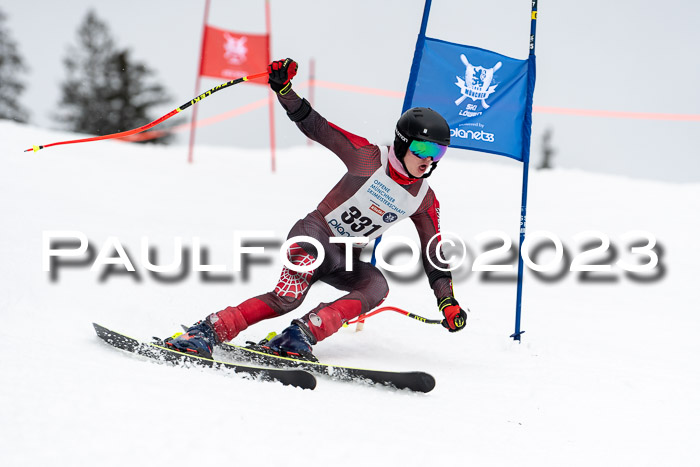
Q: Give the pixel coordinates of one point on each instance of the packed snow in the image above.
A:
(606, 372)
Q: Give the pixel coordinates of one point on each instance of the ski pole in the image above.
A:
(398, 310)
(158, 121)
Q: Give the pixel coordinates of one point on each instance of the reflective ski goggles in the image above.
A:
(425, 149)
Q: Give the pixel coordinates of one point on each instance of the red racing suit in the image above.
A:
(372, 195)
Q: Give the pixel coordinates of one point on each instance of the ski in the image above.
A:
(254, 353)
(289, 377)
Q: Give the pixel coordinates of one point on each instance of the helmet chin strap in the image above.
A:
(433, 166)
(406, 168)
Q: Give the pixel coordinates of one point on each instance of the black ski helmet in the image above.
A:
(422, 124)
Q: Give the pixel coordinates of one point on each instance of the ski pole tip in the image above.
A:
(33, 148)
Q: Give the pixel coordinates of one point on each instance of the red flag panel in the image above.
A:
(230, 55)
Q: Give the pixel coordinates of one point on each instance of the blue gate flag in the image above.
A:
(486, 99)
(483, 95)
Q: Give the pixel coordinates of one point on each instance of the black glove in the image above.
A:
(280, 74)
(455, 317)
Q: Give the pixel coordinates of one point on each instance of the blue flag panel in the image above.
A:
(481, 94)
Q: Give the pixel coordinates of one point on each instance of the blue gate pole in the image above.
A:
(417, 56)
(527, 129)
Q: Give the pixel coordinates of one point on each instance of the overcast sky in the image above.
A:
(624, 55)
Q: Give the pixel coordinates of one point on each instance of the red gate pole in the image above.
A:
(271, 93)
(198, 80)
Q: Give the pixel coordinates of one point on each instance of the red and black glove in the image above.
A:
(280, 74)
(455, 317)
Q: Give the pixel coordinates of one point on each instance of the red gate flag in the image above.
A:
(231, 55)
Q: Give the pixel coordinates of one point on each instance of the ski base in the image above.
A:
(417, 381)
(289, 377)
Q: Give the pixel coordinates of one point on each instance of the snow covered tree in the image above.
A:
(11, 67)
(106, 91)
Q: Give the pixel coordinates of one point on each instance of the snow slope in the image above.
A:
(606, 374)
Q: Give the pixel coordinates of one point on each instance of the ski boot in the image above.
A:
(294, 342)
(198, 340)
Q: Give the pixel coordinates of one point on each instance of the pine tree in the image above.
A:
(11, 67)
(106, 91)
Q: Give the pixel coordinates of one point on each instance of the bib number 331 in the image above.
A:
(358, 223)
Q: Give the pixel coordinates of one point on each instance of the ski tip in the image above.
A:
(100, 329)
(309, 381)
(294, 378)
(424, 382)
(428, 382)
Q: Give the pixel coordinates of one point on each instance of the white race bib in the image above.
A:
(376, 206)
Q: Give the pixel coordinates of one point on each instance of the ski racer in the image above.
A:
(383, 185)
